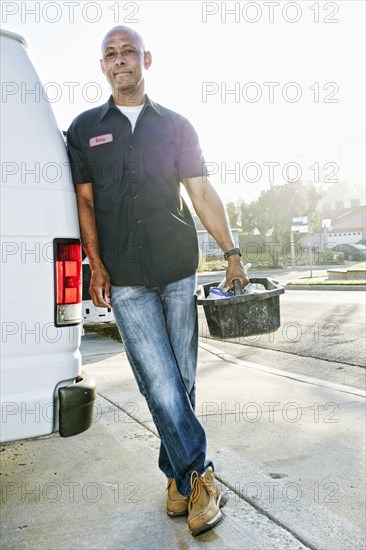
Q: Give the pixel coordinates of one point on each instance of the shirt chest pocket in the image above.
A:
(106, 161)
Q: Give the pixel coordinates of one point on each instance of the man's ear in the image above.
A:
(147, 59)
(102, 66)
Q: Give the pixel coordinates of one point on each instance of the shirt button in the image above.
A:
(140, 247)
(135, 196)
(133, 172)
(139, 221)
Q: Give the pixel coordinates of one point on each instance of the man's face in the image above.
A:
(124, 61)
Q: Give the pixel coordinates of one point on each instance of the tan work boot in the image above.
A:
(176, 504)
(205, 502)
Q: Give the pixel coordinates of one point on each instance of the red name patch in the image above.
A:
(100, 140)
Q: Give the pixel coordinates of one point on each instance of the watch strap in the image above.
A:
(232, 252)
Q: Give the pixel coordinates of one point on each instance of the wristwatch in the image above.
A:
(231, 252)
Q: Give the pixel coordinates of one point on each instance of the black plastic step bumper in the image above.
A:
(76, 406)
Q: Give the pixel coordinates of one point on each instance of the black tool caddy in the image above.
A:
(242, 314)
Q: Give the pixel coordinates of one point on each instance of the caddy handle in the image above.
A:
(238, 287)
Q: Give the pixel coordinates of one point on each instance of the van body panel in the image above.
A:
(28, 299)
(31, 211)
(38, 205)
(28, 125)
(13, 38)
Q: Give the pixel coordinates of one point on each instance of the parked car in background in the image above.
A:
(351, 251)
(362, 241)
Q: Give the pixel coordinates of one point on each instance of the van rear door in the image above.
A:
(41, 285)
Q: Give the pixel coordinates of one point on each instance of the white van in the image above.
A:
(42, 387)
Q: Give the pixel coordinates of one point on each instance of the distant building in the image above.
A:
(347, 225)
(207, 245)
(340, 226)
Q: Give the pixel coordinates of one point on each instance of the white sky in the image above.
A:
(190, 55)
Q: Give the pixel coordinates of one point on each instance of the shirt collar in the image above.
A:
(110, 105)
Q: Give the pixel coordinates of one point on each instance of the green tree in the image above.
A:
(246, 218)
(276, 207)
(232, 214)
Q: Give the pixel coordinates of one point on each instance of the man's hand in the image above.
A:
(235, 270)
(100, 287)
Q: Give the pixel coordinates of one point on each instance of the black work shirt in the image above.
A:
(146, 233)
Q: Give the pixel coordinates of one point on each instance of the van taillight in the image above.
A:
(68, 287)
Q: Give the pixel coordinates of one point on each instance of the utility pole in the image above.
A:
(310, 254)
(292, 247)
(300, 227)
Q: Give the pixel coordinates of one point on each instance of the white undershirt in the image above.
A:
(131, 113)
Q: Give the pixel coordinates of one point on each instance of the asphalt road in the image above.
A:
(321, 335)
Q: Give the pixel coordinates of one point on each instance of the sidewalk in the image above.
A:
(333, 278)
(287, 451)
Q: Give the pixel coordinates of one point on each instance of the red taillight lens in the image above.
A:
(68, 287)
(68, 273)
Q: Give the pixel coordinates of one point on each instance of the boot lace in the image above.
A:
(197, 483)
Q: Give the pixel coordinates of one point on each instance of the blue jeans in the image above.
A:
(159, 329)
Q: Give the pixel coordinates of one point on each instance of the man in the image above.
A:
(128, 159)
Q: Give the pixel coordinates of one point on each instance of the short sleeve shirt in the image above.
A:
(146, 233)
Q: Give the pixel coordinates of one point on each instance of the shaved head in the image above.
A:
(125, 30)
(124, 62)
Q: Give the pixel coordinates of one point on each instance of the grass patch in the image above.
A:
(219, 264)
(357, 267)
(212, 265)
(105, 329)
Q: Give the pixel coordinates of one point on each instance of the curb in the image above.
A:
(228, 358)
(324, 287)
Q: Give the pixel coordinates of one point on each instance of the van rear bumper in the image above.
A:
(76, 406)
